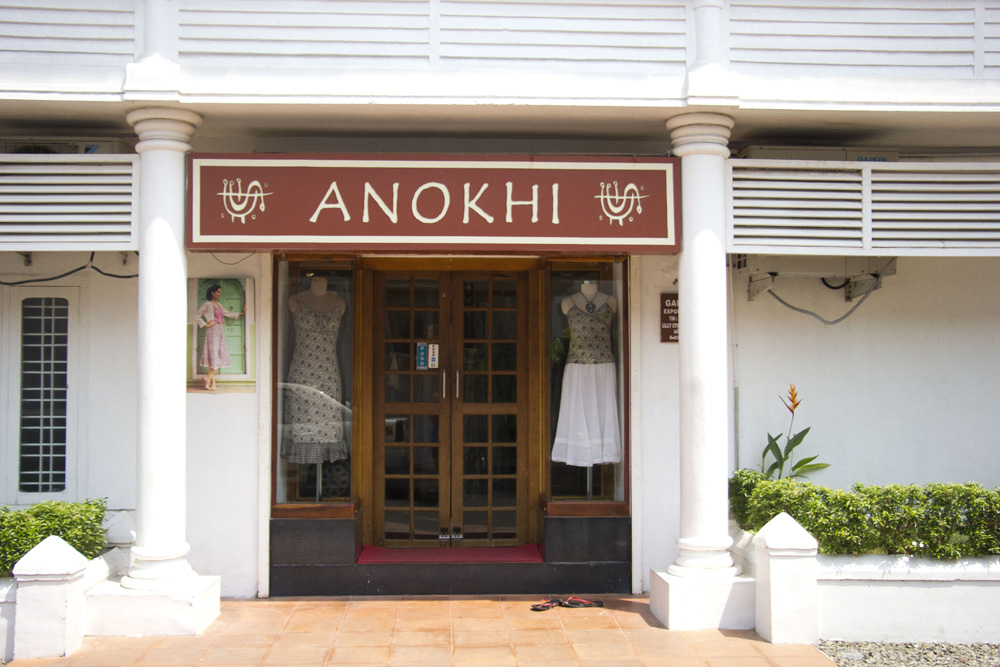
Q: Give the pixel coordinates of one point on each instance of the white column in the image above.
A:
(700, 140)
(701, 588)
(160, 553)
(155, 75)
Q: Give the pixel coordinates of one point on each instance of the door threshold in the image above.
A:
(528, 553)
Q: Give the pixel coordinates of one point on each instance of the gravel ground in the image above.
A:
(873, 654)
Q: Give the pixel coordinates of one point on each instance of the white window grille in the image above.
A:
(43, 395)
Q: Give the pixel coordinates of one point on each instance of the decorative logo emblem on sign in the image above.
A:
(240, 203)
(620, 206)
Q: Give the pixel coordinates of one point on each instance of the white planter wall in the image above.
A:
(903, 599)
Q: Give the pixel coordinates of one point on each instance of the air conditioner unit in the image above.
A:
(855, 274)
(819, 153)
(62, 146)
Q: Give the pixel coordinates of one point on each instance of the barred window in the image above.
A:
(43, 395)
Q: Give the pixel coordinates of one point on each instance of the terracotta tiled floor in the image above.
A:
(498, 630)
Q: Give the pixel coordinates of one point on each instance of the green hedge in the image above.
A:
(937, 520)
(77, 523)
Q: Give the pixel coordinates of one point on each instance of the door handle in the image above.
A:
(458, 391)
(444, 384)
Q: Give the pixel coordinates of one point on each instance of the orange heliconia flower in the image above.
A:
(793, 399)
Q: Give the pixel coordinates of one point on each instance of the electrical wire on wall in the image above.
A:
(88, 265)
(843, 317)
(231, 263)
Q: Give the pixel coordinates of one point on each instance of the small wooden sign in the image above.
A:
(668, 318)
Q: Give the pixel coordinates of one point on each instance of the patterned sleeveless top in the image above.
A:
(590, 336)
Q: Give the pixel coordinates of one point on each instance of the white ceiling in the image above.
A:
(285, 123)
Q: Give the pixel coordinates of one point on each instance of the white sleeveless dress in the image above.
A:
(587, 432)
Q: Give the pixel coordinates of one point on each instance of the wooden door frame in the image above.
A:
(536, 373)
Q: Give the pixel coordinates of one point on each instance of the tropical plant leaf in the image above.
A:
(795, 441)
(804, 470)
(805, 461)
(772, 446)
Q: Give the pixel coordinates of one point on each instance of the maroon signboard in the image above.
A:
(441, 203)
(669, 318)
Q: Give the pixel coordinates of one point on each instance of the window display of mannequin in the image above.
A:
(587, 431)
(314, 423)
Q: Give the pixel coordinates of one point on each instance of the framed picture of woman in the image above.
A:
(220, 338)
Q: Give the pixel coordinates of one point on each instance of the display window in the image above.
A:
(314, 367)
(587, 417)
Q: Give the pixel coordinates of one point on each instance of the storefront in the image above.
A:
(449, 361)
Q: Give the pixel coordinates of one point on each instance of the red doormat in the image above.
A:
(382, 555)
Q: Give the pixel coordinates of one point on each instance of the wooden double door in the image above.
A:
(450, 431)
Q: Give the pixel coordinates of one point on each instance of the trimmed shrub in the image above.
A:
(938, 520)
(741, 485)
(77, 523)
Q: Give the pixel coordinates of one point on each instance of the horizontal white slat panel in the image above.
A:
(105, 195)
(609, 10)
(67, 32)
(28, 191)
(778, 177)
(55, 228)
(801, 232)
(945, 218)
(216, 39)
(883, 38)
(318, 49)
(799, 209)
(987, 224)
(304, 33)
(59, 201)
(929, 207)
(938, 207)
(568, 34)
(283, 7)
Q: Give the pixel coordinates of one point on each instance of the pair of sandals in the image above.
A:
(572, 602)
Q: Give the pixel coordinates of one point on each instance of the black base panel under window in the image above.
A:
(586, 538)
(451, 579)
(318, 557)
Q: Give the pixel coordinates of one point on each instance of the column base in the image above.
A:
(725, 601)
(187, 607)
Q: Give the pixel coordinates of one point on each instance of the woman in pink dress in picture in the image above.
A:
(215, 354)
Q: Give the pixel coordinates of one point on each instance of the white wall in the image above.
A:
(223, 462)
(656, 442)
(906, 390)
(106, 376)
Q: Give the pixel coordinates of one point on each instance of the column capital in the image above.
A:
(163, 128)
(700, 133)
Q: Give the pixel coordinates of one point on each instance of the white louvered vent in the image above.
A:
(61, 202)
(304, 33)
(991, 37)
(796, 207)
(880, 38)
(580, 35)
(936, 208)
(67, 32)
(782, 206)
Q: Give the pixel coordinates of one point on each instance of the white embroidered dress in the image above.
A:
(314, 422)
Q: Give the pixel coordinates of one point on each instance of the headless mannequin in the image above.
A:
(317, 299)
(588, 294)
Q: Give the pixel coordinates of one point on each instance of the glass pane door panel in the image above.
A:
(451, 457)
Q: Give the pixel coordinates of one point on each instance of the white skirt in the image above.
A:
(587, 431)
